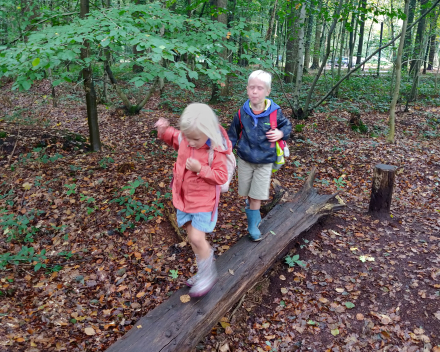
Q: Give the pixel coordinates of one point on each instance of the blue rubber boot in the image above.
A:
(254, 219)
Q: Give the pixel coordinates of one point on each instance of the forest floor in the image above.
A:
(368, 284)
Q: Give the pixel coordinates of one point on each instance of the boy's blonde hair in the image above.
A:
(263, 76)
(198, 116)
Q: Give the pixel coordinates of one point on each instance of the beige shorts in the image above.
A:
(254, 179)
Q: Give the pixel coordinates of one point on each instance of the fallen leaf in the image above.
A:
(284, 290)
(27, 186)
(269, 337)
(89, 331)
(359, 316)
(228, 330)
(185, 298)
(137, 255)
(139, 326)
(224, 324)
(340, 290)
(140, 294)
(231, 271)
(282, 277)
(385, 319)
(323, 300)
(349, 305)
(437, 315)
(335, 332)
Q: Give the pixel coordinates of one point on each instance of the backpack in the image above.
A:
(230, 164)
(281, 147)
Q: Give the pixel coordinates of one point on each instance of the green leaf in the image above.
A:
(36, 62)
(349, 305)
(335, 332)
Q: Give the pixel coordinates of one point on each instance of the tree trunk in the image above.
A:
(296, 111)
(327, 53)
(290, 47)
(407, 49)
(271, 22)
(392, 119)
(319, 26)
(352, 40)
(89, 88)
(382, 189)
(308, 38)
(174, 326)
(418, 45)
(138, 68)
(362, 7)
(222, 89)
(341, 51)
(432, 40)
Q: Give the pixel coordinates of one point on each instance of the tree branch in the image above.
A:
(42, 21)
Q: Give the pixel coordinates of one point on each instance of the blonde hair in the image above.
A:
(263, 76)
(201, 117)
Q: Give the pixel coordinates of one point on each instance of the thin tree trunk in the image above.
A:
(221, 90)
(327, 53)
(272, 20)
(371, 55)
(407, 49)
(341, 50)
(368, 42)
(362, 5)
(308, 38)
(300, 66)
(392, 120)
(319, 26)
(418, 46)
(354, 24)
(290, 55)
(432, 40)
(92, 110)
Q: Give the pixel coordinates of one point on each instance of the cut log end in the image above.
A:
(382, 189)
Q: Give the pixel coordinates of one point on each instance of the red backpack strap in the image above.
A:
(273, 123)
(273, 119)
(239, 119)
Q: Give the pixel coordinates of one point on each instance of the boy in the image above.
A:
(255, 142)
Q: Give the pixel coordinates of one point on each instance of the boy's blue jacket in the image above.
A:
(253, 145)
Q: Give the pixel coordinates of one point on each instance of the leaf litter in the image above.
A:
(108, 279)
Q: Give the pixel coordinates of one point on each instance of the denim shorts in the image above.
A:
(201, 221)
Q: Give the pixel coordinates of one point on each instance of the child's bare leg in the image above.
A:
(254, 204)
(198, 242)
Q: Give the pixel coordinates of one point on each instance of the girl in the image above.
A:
(200, 168)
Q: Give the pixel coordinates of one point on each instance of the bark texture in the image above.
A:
(382, 188)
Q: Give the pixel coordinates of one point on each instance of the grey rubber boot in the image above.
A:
(206, 277)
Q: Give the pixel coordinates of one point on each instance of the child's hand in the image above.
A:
(161, 125)
(193, 165)
(274, 135)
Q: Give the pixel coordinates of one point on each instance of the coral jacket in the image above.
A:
(192, 192)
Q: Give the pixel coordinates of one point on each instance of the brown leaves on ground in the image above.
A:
(106, 280)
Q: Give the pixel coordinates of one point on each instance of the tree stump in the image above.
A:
(174, 326)
(382, 188)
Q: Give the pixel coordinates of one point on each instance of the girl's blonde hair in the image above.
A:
(201, 117)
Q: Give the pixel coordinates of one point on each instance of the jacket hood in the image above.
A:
(272, 107)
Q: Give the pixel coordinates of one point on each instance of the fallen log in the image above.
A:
(178, 327)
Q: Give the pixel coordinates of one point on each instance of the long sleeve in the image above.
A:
(284, 125)
(217, 174)
(171, 137)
